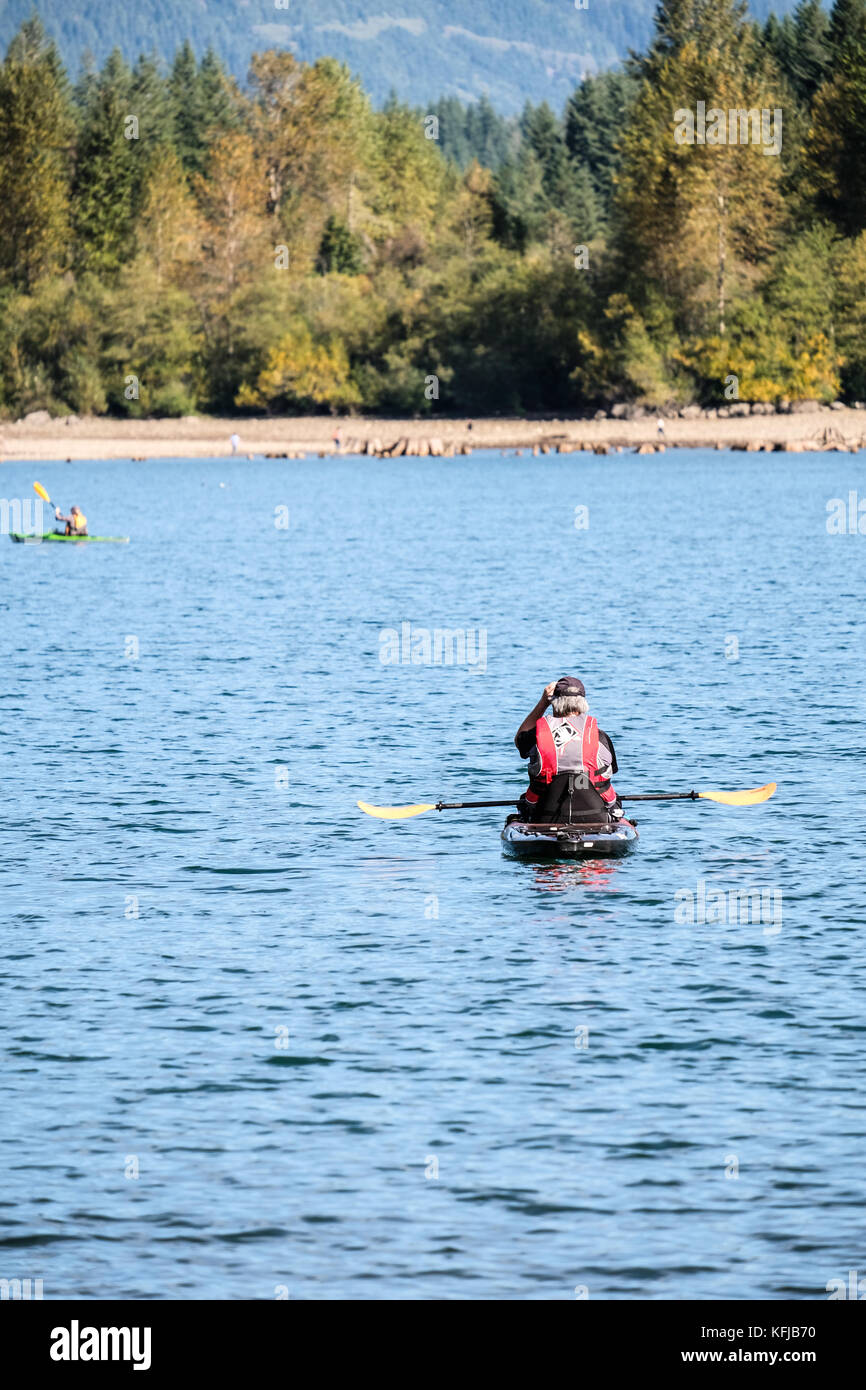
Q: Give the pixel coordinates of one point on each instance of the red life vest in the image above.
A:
(571, 745)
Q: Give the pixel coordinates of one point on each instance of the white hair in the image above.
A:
(569, 704)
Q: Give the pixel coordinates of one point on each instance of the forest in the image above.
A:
(512, 50)
(173, 241)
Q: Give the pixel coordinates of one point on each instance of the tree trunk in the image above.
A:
(722, 255)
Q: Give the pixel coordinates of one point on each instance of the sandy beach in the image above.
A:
(39, 439)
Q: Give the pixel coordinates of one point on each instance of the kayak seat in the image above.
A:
(566, 801)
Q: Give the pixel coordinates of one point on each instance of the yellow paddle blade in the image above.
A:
(40, 491)
(396, 812)
(749, 798)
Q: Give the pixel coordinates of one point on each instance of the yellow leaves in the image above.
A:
(767, 368)
(471, 208)
(816, 370)
(627, 357)
(313, 131)
(700, 216)
(303, 372)
(35, 134)
(169, 230)
(232, 199)
(410, 175)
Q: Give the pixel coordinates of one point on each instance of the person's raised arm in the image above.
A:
(534, 715)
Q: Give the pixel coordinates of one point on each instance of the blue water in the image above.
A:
(429, 1124)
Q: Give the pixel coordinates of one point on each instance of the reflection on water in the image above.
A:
(575, 875)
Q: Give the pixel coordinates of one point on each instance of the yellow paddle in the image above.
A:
(40, 492)
(751, 797)
(399, 812)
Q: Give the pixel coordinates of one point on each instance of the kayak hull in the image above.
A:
(525, 840)
(76, 540)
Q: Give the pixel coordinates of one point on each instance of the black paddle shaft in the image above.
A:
(661, 796)
(649, 796)
(460, 805)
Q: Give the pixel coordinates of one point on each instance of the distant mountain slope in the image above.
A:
(422, 49)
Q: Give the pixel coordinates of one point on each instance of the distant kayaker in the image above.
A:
(571, 760)
(76, 522)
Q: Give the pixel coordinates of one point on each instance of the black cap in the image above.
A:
(568, 685)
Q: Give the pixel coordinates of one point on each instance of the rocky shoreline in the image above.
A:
(794, 427)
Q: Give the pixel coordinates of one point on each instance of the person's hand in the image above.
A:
(548, 692)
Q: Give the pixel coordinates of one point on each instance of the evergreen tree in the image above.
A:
(595, 118)
(476, 131)
(340, 251)
(217, 95)
(454, 140)
(488, 135)
(190, 127)
(150, 102)
(800, 47)
(108, 171)
(835, 172)
(847, 36)
(543, 189)
(810, 57)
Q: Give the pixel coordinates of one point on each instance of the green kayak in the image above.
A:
(77, 540)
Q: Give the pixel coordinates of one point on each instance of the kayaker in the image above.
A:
(76, 522)
(571, 760)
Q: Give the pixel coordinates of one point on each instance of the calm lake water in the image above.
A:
(356, 1059)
